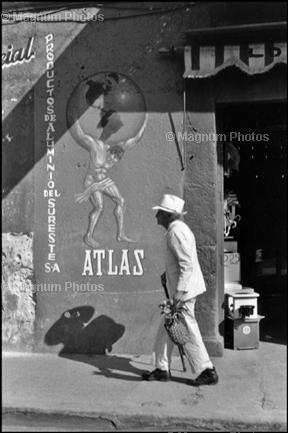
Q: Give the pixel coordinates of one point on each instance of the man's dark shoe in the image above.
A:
(157, 375)
(207, 377)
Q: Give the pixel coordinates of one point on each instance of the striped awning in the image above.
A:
(206, 61)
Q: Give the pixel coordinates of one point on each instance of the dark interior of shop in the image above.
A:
(254, 157)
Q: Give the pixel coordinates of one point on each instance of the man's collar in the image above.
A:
(172, 224)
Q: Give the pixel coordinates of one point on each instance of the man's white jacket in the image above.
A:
(183, 270)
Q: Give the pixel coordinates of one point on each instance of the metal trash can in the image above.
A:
(242, 319)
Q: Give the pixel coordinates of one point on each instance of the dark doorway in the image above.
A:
(254, 150)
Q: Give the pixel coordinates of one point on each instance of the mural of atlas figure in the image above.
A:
(106, 115)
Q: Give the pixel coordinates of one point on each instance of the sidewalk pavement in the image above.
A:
(250, 395)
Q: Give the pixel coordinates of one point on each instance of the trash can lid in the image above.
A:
(245, 294)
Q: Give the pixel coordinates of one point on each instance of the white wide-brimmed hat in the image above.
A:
(172, 204)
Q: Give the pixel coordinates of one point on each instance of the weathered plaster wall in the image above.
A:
(127, 307)
(201, 197)
(18, 302)
(146, 171)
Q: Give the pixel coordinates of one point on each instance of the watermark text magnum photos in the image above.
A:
(67, 286)
(83, 15)
(203, 137)
(50, 192)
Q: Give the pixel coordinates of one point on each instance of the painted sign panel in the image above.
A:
(86, 159)
(106, 115)
(12, 56)
(206, 61)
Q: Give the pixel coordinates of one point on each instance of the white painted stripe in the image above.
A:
(256, 63)
(283, 55)
(231, 57)
(207, 58)
(231, 53)
(188, 60)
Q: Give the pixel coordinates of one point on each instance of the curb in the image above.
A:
(123, 422)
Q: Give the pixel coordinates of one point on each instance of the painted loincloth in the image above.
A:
(96, 186)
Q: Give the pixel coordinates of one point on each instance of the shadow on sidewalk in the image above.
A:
(81, 335)
(112, 366)
(88, 341)
(107, 364)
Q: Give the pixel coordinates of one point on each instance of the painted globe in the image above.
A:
(108, 106)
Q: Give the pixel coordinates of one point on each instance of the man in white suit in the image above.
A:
(185, 282)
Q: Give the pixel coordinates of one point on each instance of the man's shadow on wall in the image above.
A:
(88, 341)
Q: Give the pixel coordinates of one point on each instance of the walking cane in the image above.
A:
(180, 347)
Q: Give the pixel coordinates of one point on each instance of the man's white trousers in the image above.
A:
(195, 349)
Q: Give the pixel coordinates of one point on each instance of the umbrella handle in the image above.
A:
(181, 352)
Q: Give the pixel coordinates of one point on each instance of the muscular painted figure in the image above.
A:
(102, 159)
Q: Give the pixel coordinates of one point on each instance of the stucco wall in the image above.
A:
(18, 301)
(123, 315)
(201, 196)
(146, 171)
